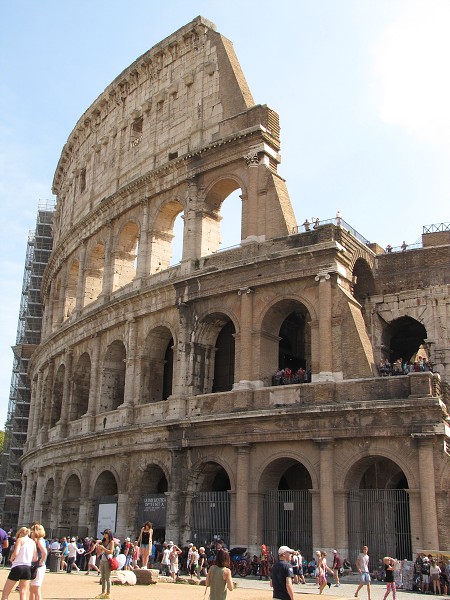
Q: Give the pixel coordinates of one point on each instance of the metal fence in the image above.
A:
(211, 517)
(287, 520)
(379, 519)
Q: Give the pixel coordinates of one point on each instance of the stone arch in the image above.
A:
(46, 504)
(106, 485)
(125, 255)
(81, 383)
(286, 337)
(57, 395)
(363, 280)
(285, 472)
(93, 273)
(70, 508)
(113, 377)
(161, 235)
(378, 508)
(157, 365)
(216, 194)
(71, 288)
(403, 338)
(154, 479)
(204, 472)
(214, 353)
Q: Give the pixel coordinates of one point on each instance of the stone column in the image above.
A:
(80, 283)
(430, 533)
(130, 378)
(37, 513)
(250, 204)
(94, 389)
(182, 352)
(57, 499)
(192, 230)
(66, 394)
(122, 496)
(85, 497)
(245, 362)
(24, 498)
(62, 294)
(47, 401)
(108, 271)
(327, 508)
(142, 261)
(39, 408)
(239, 529)
(325, 337)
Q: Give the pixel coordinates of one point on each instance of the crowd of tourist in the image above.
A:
(286, 376)
(403, 367)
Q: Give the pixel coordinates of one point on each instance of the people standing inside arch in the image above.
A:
(38, 535)
(22, 556)
(362, 564)
(145, 542)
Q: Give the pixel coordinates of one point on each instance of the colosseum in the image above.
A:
(236, 394)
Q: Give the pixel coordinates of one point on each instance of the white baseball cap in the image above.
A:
(284, 549)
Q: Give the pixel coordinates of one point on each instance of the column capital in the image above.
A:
(323, 442)
(251, 158)
(322, 276)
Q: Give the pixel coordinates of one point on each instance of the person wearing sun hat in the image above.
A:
(282, 575)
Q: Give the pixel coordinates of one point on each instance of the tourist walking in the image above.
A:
(323, 568)
(336, 567)
(282, 575)
(219, 577)
(362, 564)
(389, 566)
(38, 535)
(145, 542)
(107, 549)
(21, 558)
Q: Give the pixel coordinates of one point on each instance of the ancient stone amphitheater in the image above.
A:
(153, 390)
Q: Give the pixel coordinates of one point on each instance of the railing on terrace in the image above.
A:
(436, 227)
(391, 249)
(336, 221)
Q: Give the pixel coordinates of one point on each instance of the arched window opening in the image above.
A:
(378, 509)
(94, 274)
(287, 505)
(177, 244)
(81, 387)
(58, 387)
(224, 359)
(162, 237)
(125, 256)
(106, 485)
(113, 377)
(294, 347)
(71, 289)
(219, 227)
(157, 366)
(404, 338)
(363, 280)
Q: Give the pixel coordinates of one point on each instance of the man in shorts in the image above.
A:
(282, 574)
(362, 563)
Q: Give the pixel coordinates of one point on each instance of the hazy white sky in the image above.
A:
(362, 88)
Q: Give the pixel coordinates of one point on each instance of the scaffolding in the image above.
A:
(28, 336)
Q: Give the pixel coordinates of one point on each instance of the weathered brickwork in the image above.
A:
(158, 379)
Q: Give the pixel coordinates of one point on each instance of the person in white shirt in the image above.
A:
(24, 553)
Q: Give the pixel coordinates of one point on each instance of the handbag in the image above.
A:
(113, 563)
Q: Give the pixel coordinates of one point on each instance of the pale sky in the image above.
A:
(362, 88)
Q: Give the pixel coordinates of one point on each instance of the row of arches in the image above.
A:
(286, 504)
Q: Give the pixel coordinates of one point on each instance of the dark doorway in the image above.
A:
(403, 337)
(292, 348)
(224, 359)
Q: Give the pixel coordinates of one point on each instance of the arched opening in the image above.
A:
(177, 244)
(80, 387)
(113, 377)
(214, 355)
(57, 396)
(224, 359)
(378, 509)
(93, 280)
(223, 203)
(403, 338)
(288, 322)
(287, 505)
(162, 236)
(153, 500)
(70, 509)
(71, 289)
(363, 280)
(105, 503)
(125, 255)
(211, 505)
(46, 505)
(157, 366)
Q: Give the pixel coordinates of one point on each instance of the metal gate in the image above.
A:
(211, 517)
(379, 519)
(288, 520)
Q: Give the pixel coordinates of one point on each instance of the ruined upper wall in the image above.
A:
(169, 102)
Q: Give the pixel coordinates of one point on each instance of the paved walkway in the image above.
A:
(58, 586)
